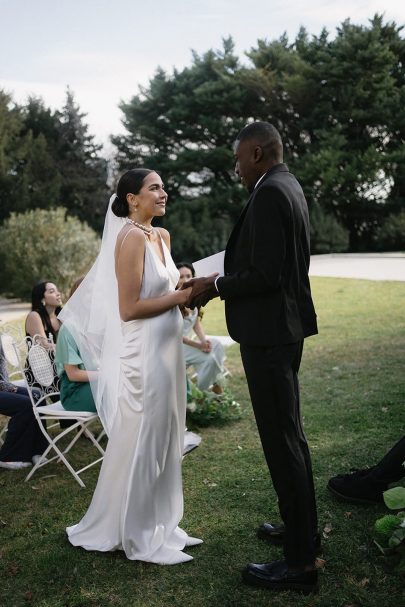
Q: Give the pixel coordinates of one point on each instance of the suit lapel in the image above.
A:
(236, 228)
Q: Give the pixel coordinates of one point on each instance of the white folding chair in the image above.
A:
(10, 336)
(40, 376)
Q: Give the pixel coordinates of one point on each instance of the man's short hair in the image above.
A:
(266, 135)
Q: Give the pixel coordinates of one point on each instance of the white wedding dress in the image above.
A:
(138, 501)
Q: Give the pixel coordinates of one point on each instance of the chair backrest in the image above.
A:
(39, 371)
(13, 348)
(41, 365)
(10, 352)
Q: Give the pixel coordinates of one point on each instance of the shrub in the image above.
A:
(205, 408)
(390, 529)
(44, 245)
(391, 235)
(327, 234)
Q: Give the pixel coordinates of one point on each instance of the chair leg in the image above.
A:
(93, 439)
(100, 436)
(81, 425)
(64, 460)
(75, 438)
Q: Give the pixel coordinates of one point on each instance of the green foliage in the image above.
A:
(183, 126)
(391, 235)
(327, 234)
(395, 498)
(44, 245)
(37, 184)
(339, 105)
(47, 159)
(205, 407)
(10, 152)
(391, 528)
(386, 525)
(345, 140)
(84, 173)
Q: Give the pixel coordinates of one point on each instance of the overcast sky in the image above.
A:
(104, 49)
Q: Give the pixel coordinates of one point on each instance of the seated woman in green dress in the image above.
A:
(75, 390)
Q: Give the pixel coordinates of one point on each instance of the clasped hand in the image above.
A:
(202, 290)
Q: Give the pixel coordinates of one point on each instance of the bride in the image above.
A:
(126, 322)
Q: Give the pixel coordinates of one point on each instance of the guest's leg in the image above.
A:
(272, 379)
(21, 430)
(205, 365)
(39, 443)
(218, 353)
(390, 469)
(367, 486)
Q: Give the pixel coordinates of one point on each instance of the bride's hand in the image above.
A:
(183, 296)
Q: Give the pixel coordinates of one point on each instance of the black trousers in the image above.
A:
(24, 437)
(272, 376)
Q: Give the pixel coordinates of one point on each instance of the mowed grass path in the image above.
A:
(353, 392)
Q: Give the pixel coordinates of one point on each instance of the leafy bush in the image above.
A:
(205, 408)
(391, 235)
(390, 529)
(327, 234)
(44, 245)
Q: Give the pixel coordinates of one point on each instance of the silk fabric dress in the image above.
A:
(138, 501)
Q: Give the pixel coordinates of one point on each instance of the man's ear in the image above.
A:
(257, 153)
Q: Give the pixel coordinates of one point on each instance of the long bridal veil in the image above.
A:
(92, 317)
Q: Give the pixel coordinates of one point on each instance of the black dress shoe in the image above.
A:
(276, 576)
(275, 535)
(358, 487)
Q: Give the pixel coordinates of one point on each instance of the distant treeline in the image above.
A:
(338, 103)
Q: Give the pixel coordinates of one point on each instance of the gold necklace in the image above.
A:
(140, 226)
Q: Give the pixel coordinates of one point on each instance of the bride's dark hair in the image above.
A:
(130, 183)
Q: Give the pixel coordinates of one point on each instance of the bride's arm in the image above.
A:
(129, 269)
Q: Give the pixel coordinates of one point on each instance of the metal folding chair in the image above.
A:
(41, 378)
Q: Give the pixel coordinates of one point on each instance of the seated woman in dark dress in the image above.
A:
(43, 324)
(42, 320)
(24, 442)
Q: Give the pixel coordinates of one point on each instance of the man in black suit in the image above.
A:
(269, 311)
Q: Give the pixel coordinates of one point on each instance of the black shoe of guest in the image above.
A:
(358, 487)
(276, 576)
(274, 533)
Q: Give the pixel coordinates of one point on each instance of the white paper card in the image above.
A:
(209, 265)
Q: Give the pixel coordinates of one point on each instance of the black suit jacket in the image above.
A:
(266, 286)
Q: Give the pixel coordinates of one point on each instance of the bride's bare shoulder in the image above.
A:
(165, 235)
(130, 233)
(129, 236)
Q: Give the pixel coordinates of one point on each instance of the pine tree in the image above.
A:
(183, 126)
(83, 170)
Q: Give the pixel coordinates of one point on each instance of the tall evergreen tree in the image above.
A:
(340, 108)
(183, 126)
(10, 152)
(83, 170)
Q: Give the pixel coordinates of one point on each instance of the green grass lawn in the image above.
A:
(353, 389)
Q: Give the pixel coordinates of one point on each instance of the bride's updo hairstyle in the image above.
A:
(130, 183)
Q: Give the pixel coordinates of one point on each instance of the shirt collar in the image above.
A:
(259, 180)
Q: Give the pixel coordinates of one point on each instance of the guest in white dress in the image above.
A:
(206, 356)
(140, 394)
